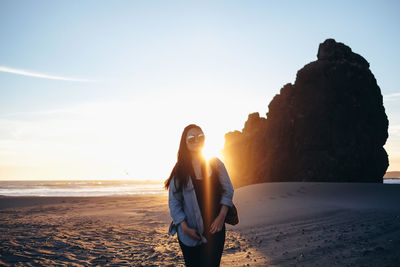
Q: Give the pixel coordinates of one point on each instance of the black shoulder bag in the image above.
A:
(232, 217)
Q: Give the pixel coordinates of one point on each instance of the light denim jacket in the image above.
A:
(183, 206)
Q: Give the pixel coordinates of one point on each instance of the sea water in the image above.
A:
(82, 188)
(391, 181)
(92, 187)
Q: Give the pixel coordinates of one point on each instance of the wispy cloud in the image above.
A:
(393, 96)
(41, 75)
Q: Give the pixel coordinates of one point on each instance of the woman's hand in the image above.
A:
(190, 231)
(218, 223)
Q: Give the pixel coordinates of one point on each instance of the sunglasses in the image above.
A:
(191, 138)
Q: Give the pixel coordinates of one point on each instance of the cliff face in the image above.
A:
(330, 125)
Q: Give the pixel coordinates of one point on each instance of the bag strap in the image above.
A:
(214, 168)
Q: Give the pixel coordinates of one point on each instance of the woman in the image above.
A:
(200, 195)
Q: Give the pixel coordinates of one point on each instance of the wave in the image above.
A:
(81, 188)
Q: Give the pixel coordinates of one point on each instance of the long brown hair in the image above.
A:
(183, 166)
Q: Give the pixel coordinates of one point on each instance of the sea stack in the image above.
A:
(330, 125)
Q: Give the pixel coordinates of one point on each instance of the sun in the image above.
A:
(212, 148)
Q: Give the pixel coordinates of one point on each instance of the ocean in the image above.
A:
(391, 180)
(70, 188)
(66, 188)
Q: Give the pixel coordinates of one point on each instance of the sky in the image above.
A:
(103, 89)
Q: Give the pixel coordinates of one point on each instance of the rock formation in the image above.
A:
(330, 125)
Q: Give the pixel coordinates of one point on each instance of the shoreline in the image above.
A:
(25, 201)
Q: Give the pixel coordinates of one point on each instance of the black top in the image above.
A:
(208, 194)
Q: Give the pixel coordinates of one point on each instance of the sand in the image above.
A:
(281, 224)
(321, 224)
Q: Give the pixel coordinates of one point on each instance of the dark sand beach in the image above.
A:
(282, 224)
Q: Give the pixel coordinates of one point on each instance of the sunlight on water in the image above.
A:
(81, 188)
(391, 181)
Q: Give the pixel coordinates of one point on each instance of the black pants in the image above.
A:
(205, 255)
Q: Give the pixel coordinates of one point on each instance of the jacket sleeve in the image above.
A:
(225, 180)
(175, 202)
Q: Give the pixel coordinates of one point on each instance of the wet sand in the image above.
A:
(281, 224)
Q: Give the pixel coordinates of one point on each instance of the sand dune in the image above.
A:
(281, 224)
